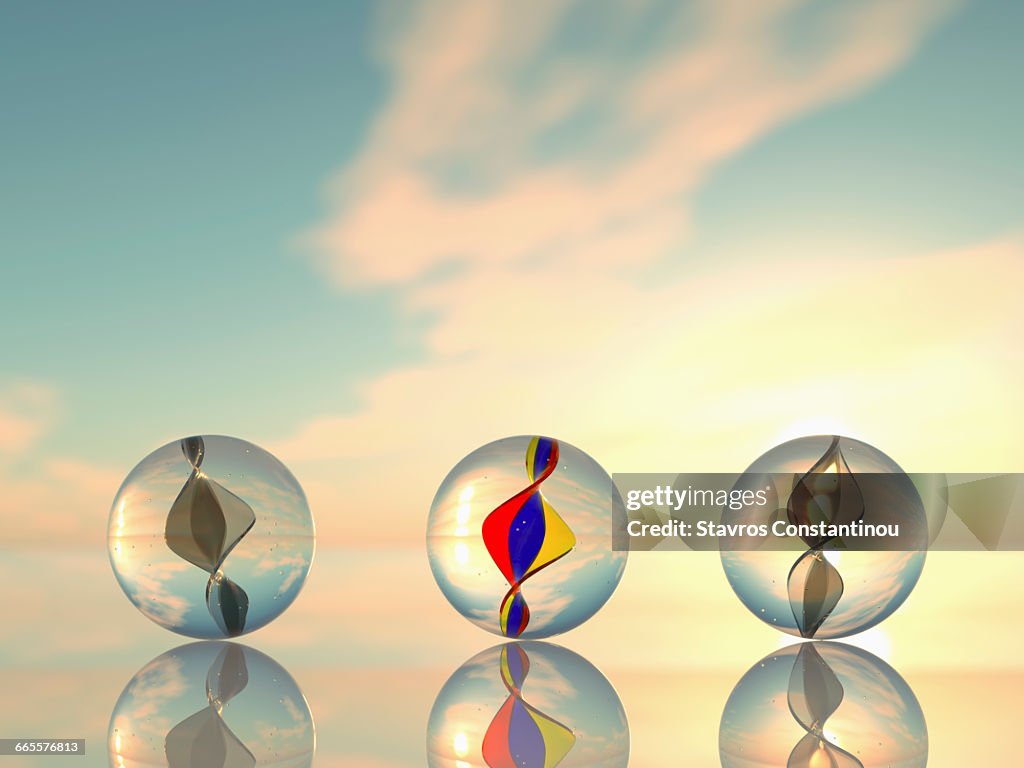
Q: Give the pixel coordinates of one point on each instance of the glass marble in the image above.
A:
(812, 589)
(527, 703)
(519, 537)
(210, 537)
(822, 704)
(211, 704)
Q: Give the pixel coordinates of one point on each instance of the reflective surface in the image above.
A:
(210, 537)
(822, 704)
(211, 705)
(527, 704)
(673, 642)
(520, 534)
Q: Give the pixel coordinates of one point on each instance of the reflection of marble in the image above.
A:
(211, 705)
(822, 703)
(527, 704)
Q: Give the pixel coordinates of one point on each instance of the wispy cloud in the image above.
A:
(465, 164)
(528, 190)
(27, 408)
(47, 499)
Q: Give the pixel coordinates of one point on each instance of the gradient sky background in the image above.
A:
(371, 239)
(665, 235)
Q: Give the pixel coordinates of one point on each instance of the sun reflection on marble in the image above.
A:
(822, 703)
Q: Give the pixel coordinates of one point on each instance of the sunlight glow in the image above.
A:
(822, 425)
(463, 511)
(117, 751)
(119, 531)
(876, 640)
(460, 744)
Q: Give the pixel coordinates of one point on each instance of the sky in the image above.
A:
(669, 235)
(709, 225)
(370, 237)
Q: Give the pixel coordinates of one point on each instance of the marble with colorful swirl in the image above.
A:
(519, 537)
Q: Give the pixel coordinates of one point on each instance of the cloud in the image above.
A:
(705, 374)
(464, 163)
(527, 188)
(47, 499)
(26, 410)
